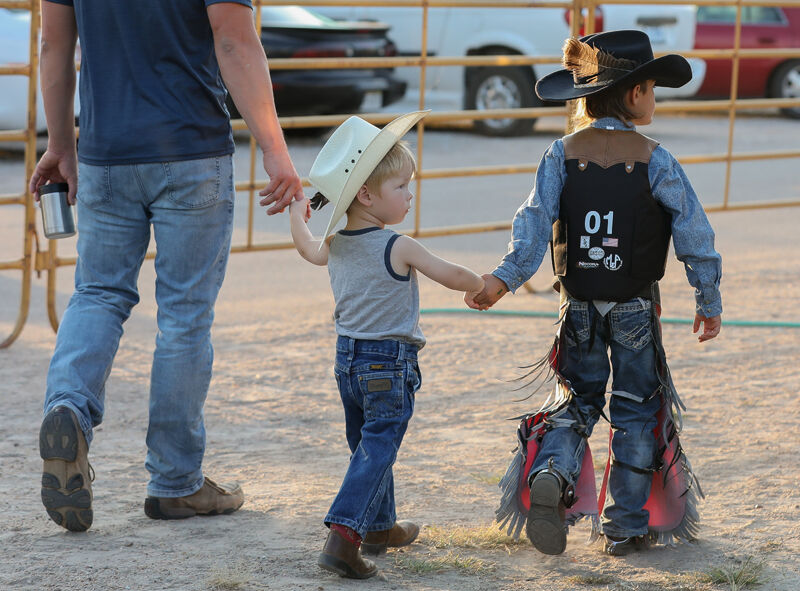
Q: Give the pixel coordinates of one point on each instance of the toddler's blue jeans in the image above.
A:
(627, 331)
(377, 382)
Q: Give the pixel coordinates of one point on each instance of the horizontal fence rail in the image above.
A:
(42, 256)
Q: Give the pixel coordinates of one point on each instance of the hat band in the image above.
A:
(605, 76)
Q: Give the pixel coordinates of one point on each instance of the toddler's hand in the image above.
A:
(469, 296)
(301, 208)
(492, 291)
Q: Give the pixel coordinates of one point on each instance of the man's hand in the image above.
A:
(284, 183)
(493, 290)
(711, 326)
(245, 71)
(56, 167)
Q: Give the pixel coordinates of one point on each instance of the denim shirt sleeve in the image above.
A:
(532, 227)
(692, 235)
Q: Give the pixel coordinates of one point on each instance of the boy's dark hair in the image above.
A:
(607, 103)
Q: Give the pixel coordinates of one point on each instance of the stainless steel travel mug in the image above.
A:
(57, 217)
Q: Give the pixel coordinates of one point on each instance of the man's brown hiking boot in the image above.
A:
(211, 499)
(343, 557)
(66, 479)
(402, 533)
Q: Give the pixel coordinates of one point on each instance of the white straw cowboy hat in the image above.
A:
(349, 157)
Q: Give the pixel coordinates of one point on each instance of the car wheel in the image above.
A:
(502, 88)
(786, 84)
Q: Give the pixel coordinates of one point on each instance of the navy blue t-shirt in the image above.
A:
(150, 85)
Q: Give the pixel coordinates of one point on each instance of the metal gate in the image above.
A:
(41, 256)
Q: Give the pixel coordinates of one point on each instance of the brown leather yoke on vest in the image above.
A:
(608, 147)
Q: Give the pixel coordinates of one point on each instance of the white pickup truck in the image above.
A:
(456, 32)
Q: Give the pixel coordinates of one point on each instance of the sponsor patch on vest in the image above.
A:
(612, 262)
(609, 242)
(596, 253)
(587, 265)
(584, 242)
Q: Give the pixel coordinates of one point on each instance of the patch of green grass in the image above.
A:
(739, 574)
(487, 478)
(487, 537)
(451, 560)
(591, 579)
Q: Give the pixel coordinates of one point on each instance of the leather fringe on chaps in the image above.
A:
(675, 490)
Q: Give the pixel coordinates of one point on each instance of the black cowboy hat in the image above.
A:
(603, 60)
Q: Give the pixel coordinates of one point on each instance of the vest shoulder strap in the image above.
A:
(606, 147)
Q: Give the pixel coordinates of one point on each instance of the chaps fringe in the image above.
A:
(511, 515)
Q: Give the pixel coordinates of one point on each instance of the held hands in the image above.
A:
(711, 326)
(493, 290)
(284, 183)
(470, 296)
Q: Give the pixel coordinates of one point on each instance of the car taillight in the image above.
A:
(598, 20)
(332, 52)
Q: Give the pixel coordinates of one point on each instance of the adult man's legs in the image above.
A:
(113, 233)
(192, 217)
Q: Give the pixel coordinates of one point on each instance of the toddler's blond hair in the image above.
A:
(395, 161)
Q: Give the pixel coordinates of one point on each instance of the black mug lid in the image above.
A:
(54, 188)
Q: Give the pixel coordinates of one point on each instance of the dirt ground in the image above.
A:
(275, 425)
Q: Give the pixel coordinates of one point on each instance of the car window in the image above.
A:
(292, 15)
(716, 14)
(751, 15)
(762, 15)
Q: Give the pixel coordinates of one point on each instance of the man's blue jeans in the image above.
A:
(377, 382)
(626, 331)
(189, 206)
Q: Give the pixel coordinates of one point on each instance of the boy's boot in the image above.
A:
(545, 526)
(66, 474)
(402, 533)
(615, 546)
(343, 557)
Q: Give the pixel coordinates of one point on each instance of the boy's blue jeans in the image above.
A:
(626, 331)
(377, 381)
(189, 206)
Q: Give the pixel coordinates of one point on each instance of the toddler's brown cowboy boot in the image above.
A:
(402, 533)
(343, 557)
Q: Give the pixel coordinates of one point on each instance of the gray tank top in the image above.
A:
(373, 302)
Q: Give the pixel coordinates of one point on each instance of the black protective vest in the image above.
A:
(611, 239)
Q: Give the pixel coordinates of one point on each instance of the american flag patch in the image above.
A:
(613, 242)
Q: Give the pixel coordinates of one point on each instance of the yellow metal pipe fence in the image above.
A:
(583, 16)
